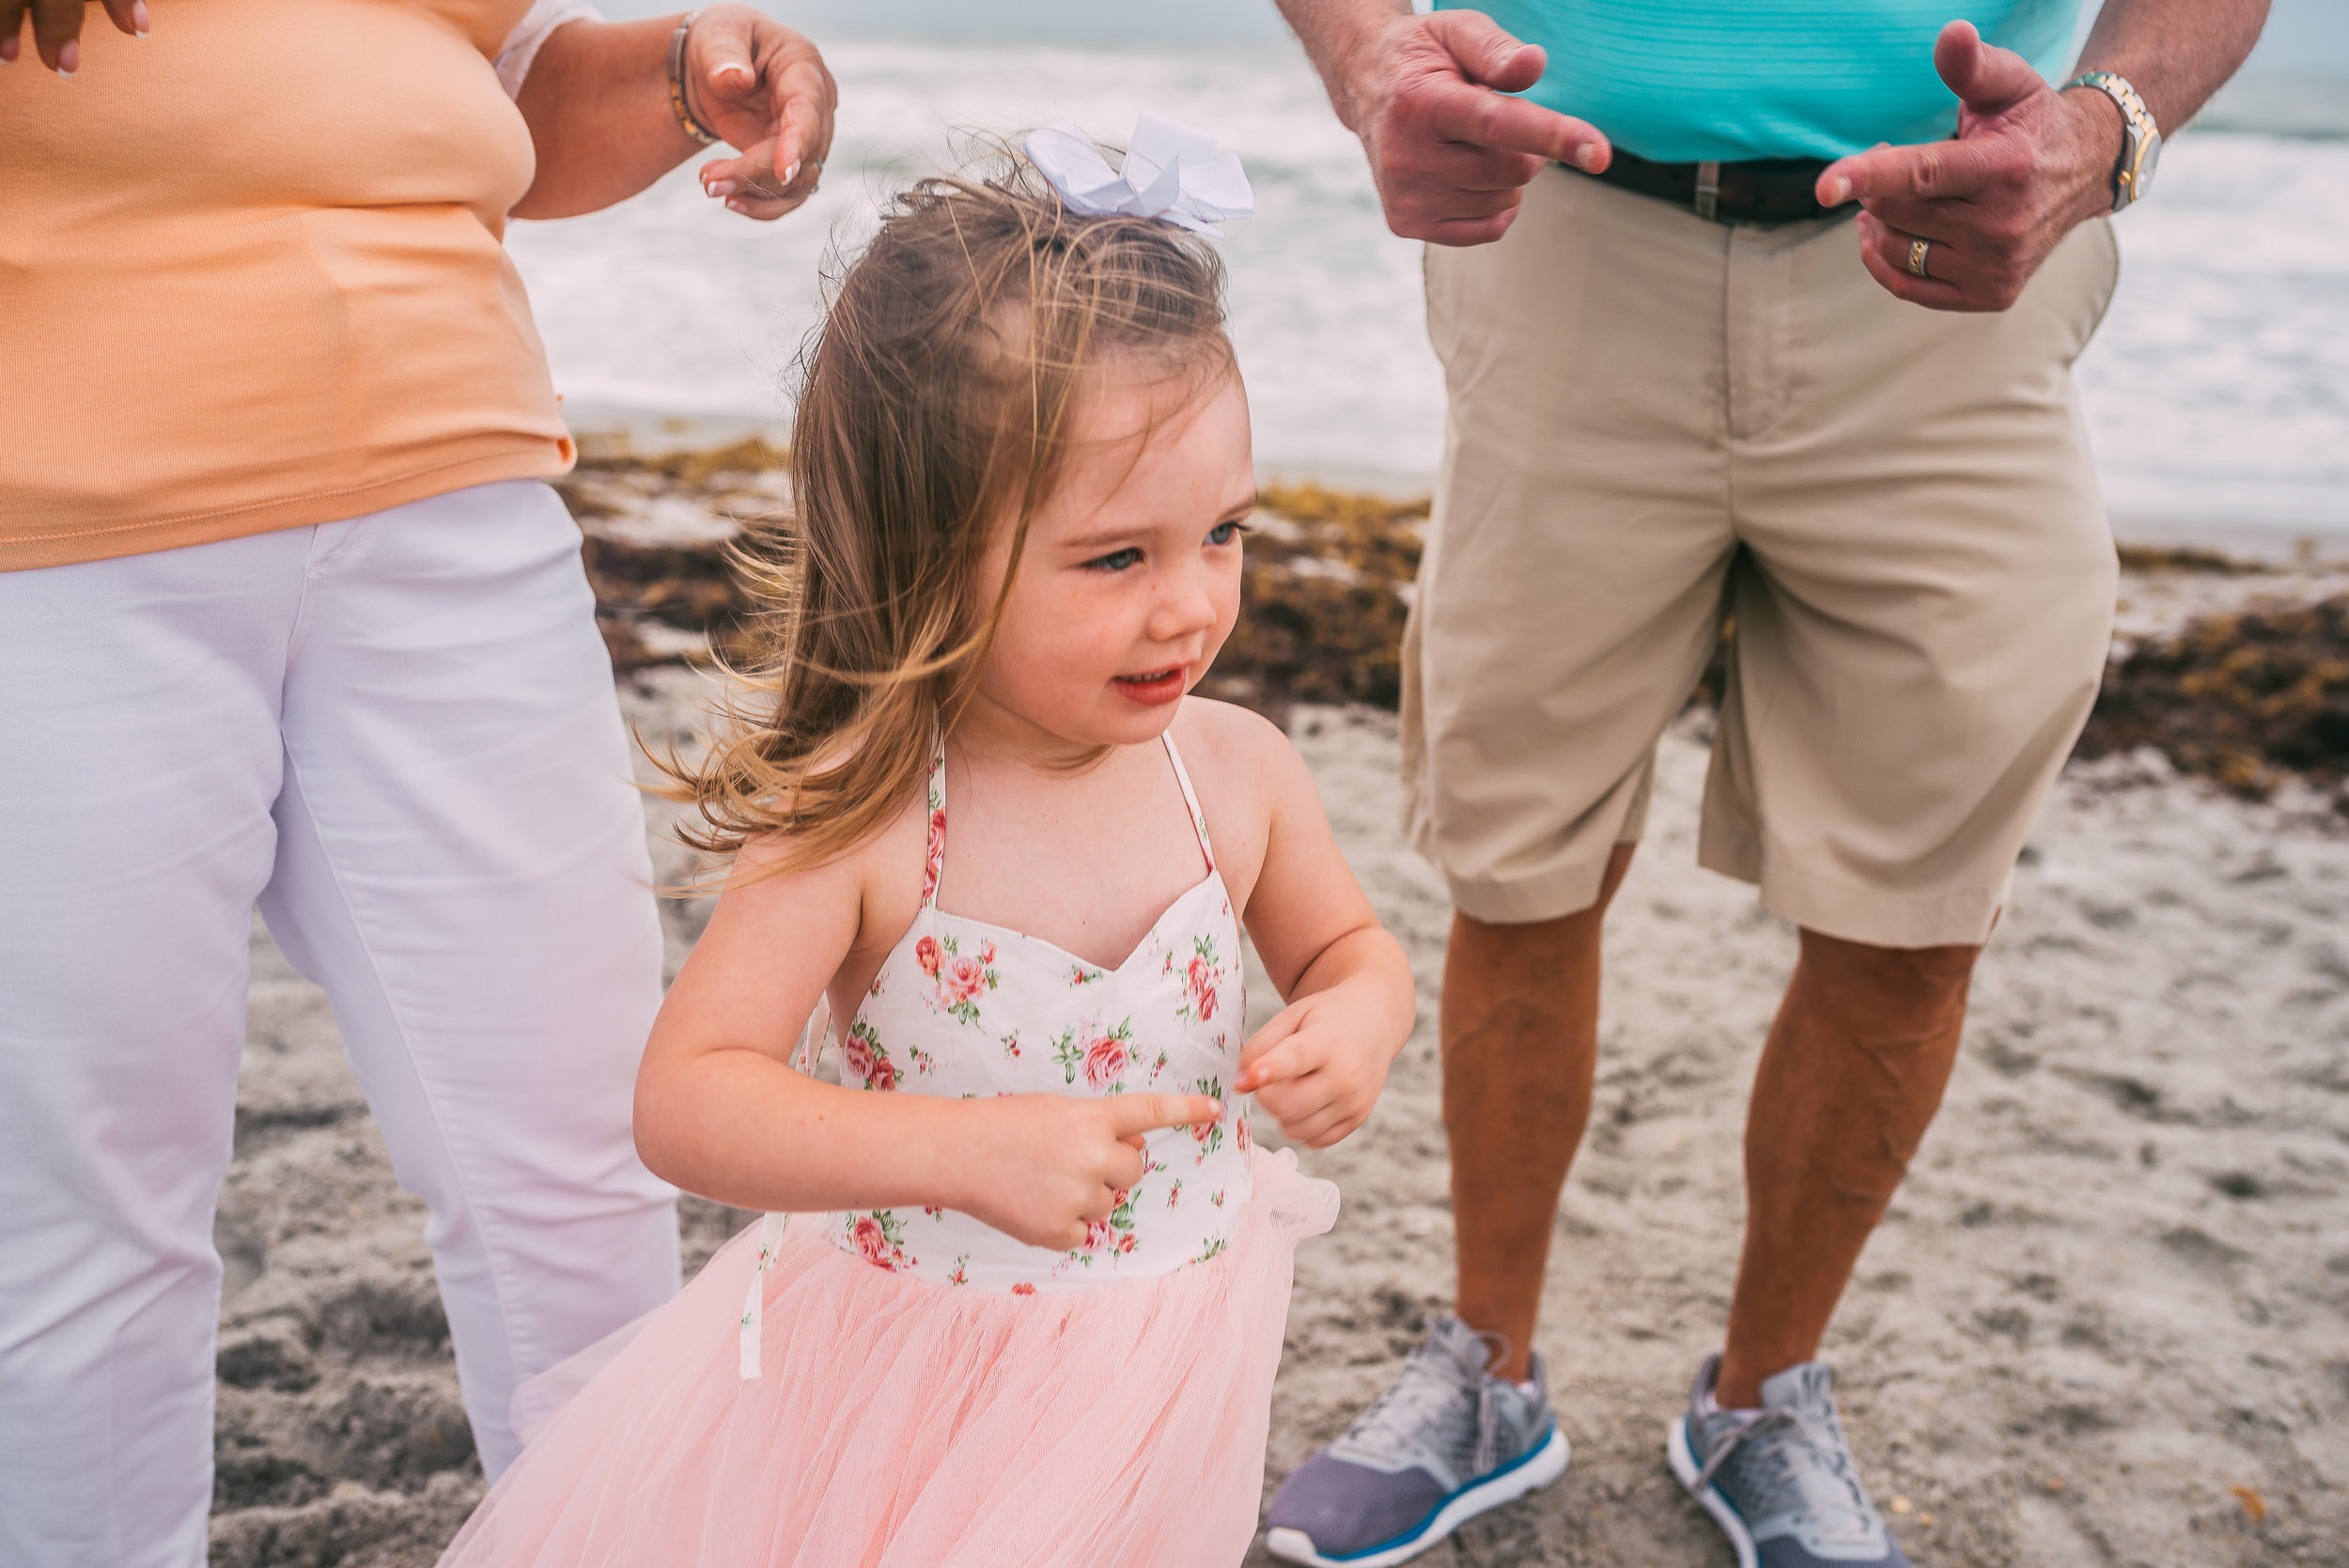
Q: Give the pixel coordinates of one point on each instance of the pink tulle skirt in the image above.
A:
(915, 1425)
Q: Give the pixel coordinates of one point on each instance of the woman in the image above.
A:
(287, 615)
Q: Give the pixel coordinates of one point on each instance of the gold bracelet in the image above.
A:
(677, 106)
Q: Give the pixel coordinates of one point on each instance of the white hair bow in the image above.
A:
(1172, 172)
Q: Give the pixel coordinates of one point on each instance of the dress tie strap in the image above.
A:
(934, 858)
(807, 1056)
(1190, 797)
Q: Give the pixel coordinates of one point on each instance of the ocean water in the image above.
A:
(2217, 388)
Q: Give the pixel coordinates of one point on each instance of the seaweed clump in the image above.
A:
(2238, 699)
(693, 590)
(1325, 590)
(2244, 699)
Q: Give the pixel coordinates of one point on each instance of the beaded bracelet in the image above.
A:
(677, 106)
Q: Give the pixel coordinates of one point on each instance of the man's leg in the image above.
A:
(1568, 600)
(462, 866)
(1850, 1079)
(1922, 611)
(1520, 1044)
(137, 765)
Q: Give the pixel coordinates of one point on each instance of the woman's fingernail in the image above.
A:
(720, 188)
(8, 50)
(737, 204)
(68, 56)
(791, 173)
(731, 68)
(139, 19)
(1586, 157)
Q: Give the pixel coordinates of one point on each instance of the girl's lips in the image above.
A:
(1160, 685)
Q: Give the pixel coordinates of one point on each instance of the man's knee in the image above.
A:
(1910, 981)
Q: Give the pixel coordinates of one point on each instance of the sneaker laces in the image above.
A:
(1842, 1509)
(1427, 1394)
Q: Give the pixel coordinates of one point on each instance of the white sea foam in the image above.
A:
(2217, 388)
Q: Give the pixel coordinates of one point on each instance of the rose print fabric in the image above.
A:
(966, 1008)
(933, 1393)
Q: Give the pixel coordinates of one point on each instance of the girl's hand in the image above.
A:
(1319, 1065)
(1042, 1168)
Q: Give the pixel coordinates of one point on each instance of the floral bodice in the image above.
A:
(963, 1008)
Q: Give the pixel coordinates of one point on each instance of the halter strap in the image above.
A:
(934, 865)
(934, 862)
(1190, 797)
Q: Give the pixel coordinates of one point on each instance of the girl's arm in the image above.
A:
(1319, 1064)
(721, 1111)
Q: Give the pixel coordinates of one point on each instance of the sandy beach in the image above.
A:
(2105, 1323)
(2108, 1321)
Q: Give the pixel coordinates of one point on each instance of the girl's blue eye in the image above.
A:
(1116, 560)
(1223, 533)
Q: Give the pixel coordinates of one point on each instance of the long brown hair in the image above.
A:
(933, 407)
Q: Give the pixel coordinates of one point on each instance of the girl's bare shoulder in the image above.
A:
(882, 872)
(1240, 745)
(1247, 775)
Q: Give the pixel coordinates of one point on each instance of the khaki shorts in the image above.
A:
(1657, 421)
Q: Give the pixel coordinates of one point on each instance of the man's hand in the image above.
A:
(2029, 163)
(765, 90)
(58, 28)
(1449, 150)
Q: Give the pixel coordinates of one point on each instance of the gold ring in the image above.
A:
(1916, 249)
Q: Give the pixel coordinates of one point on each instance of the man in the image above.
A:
(286, 616)
(1689, 379)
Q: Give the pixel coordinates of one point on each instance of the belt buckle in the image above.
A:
(1708, 191)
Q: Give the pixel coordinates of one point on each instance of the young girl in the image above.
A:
(1032, 1313)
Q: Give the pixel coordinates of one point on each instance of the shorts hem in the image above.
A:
(1875, 916)
(1567, 890)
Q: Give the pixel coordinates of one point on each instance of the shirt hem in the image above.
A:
(542, 458)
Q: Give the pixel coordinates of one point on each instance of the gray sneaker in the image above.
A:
(1781, 1485)
(1446, 1441)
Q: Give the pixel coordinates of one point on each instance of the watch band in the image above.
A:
(2140, 138)
(677, 105)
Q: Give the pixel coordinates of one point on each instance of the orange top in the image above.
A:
(252, 276)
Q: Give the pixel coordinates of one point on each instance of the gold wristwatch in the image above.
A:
(2140, 138)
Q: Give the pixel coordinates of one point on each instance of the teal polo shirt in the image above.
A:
(1679, 80)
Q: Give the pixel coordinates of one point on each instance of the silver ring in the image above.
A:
(1916, 249)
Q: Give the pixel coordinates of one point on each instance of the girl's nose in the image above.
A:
(1184, 608)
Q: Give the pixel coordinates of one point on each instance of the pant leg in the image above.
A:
(462, 866)
(1929, 603)
(138, 758)
(1571, 590)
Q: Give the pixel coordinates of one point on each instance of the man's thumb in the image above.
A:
(1985, 77)
(1487, 54)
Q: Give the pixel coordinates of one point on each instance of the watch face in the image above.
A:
(2145, 164)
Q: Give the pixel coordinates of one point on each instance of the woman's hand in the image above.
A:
(1319, 1065)
(58, 28)
(1044, 1168)
(765, 90)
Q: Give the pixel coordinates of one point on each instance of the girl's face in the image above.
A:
(1130, 579)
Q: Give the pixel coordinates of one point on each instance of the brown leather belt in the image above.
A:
(1760, 190)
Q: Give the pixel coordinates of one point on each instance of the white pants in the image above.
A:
(397, 734)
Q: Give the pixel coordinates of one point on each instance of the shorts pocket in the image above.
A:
(2102, 269)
